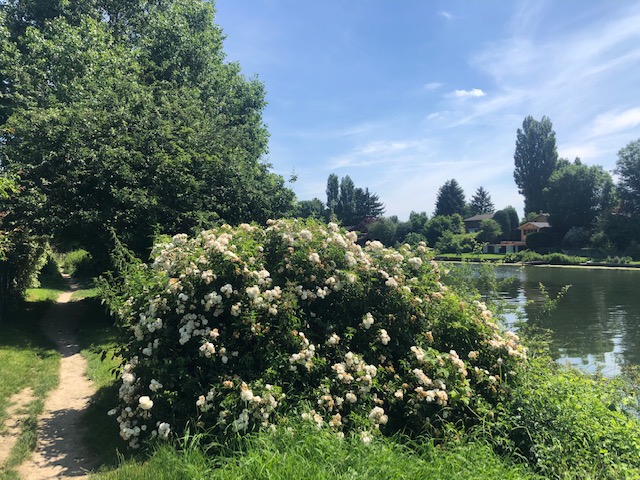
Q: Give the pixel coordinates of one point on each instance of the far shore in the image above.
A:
(609, 266)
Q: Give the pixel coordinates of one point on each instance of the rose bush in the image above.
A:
(238, 328)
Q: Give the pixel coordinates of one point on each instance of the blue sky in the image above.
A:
(403, 95)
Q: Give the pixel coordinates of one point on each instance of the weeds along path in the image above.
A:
(60, 451)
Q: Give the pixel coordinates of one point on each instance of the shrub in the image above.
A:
(78, 262)
(542, 240)
(457, 243)
(565, 422)
(383, 230)
(576, 237)
(490, 231)
(618, 260)
(633, 250)
(528, 256)
(414, 238)
(238, 328)
(562, 259)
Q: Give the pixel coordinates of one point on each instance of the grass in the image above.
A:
(305, 452)
(98, 342)
(27, 360)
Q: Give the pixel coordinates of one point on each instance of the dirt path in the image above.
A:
(60, 451)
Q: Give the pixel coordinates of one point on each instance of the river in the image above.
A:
(596, 325)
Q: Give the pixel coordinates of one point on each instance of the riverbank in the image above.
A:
(500, 260)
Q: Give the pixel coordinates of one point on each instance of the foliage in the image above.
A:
(628, 171)
(544, 239)
(310, 209)
(617, 230)
(633, 250)
(526, 256)
(535, 160)
(557, 258)
(437, 226)
(523, 256)
(508, 220)
(490, 231)
(457, 243)
(301, 451)
(481, 202)
(414, 238)
(24, 256)
(124, 115)
(576, 237)
(333, 193)
(564, 422)
(383, 230)
(591, 196)
(78, 263)
(450, 199)
(239, 327)
(618, 260)
(353, 204)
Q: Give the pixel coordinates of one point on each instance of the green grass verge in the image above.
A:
(98, 342)
(27, 360)
(305, 452)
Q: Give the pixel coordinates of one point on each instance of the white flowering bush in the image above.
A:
(241, 327)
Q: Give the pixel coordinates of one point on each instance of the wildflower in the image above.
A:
(155, 385)
(145, 402)
(384, 336)
(366, 437)
(367, 320)
(334, 339)
(377, 416)
(314, 258)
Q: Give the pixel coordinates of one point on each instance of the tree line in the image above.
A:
(121, 119)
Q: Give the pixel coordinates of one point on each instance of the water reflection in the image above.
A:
(596, 324)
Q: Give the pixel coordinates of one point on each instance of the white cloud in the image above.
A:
(585, 151)
(445, 14)
(475, 92)
(432, 86)
(614, 121)
(380, 152)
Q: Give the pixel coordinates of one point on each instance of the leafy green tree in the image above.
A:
(310, 209)
(481, 202)
(577, 195)
(384, 230)
(450, 199)
(457, 243)
(536, 158)
(418, 221)
(576, 237)
(490, 231)
(351, 204)
(438, 225)
(123, 115)
(628, 170)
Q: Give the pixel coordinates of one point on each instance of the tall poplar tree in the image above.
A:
(535, 158)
